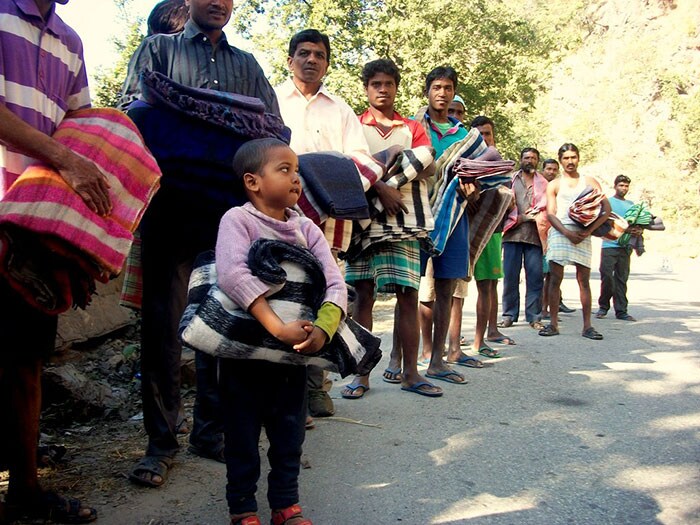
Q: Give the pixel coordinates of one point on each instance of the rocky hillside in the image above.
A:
(629, 95)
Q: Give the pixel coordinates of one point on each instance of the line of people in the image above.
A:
(234, 401)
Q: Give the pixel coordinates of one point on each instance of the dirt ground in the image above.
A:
(104, 445)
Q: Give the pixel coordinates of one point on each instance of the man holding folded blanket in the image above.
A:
(175, 229)
(615, 259)
(320, 121)
(391, 265)
(441, 273)
(42, 77)
(568, 241)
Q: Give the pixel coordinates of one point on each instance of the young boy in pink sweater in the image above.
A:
(261, 393)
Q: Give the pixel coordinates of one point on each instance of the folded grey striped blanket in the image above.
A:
(484, 218)
(415, 225)
(214, 324)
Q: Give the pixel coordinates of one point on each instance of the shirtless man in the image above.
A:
(568, 242)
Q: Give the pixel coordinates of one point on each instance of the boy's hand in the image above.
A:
(317, 338)
(294, 332)
(390, 198)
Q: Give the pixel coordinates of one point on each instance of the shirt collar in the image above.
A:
(369, 119)
(54, 22)
(289, 89)
(192, 30)
(456, 124)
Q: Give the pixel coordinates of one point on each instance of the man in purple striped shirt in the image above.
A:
(42, 77)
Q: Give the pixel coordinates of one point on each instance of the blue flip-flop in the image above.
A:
(445, 376)
(352, 389)
(392, 375)
(465, 360)
(416, 389)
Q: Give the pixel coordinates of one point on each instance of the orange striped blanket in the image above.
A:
(42, 203)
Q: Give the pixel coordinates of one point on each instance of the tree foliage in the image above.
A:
(109, 81)
(495, 52)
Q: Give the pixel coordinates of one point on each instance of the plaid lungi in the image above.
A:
(388, 264)
(562, 251)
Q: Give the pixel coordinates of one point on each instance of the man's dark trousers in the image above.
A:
(515, 255)
(614, 272)
(174, 231)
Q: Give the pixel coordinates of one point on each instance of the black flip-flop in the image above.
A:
(548, 331)
(592, 333)
(160, 466)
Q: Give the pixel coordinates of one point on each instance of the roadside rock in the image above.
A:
(80, 394)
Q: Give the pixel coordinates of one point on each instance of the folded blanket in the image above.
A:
(241, 114)
(448, 206)
(214, 324)
(195, 133)
(41, 202)
(338, 231)
(484, 218)
(402, 170)
(586, 208)
(330, 181)
(639, 214)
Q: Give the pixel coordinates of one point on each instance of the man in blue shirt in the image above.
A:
(615, 259)
(436, 291)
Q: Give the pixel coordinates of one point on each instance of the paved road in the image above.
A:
(561, 430)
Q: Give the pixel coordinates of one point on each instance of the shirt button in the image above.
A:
(212, 59)
(216, 82)
(204, 39)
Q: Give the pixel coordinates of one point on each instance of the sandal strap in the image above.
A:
(248, 520)
(280, 517)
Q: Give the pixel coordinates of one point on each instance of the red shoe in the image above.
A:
(281, 517)
(248, 520)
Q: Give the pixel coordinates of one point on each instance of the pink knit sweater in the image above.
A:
(241, 226)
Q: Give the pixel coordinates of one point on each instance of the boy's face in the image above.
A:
(486, 131)
(381, 91)
(277, 185)
(621, 189)
(550, 171)
(440, 94)
(456, 110)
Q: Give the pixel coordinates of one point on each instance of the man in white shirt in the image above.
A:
(320, 121)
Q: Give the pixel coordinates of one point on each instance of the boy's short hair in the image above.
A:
(622, 178)
(167, 17)
(251, 157)
(441, 72)
(310, 35)
(482, 120)
(549, 161)
(383, 65)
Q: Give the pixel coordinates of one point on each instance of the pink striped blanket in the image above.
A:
(42, 203)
